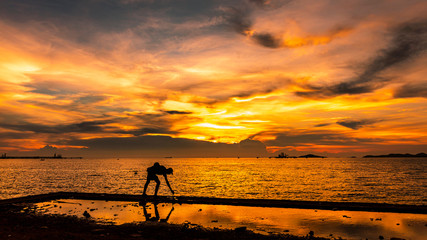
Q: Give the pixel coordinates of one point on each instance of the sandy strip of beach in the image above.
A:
(353, 206)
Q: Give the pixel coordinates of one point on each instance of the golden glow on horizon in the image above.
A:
(22, 67)
(209, 125)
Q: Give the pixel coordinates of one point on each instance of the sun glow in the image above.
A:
(22, 67)
(210, 125)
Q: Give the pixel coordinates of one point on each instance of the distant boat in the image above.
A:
(282, 155)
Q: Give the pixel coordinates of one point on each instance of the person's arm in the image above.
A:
(167, 182)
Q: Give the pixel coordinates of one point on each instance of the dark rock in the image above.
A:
(86, 214)
(240, 229)
(397, 155)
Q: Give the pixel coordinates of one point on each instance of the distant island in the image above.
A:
(396, 155)
(283, 155)
(55, 156)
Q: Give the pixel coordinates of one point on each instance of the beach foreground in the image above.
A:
(17, 221)
(115, 216)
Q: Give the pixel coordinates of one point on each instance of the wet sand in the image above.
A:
(21, 222)
(264, 220)
(212, 215)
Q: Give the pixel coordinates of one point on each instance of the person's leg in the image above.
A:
(157, 185)
(146, 184)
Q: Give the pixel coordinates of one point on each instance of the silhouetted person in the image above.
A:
(152, 173)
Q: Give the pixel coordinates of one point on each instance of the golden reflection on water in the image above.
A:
(325, 223)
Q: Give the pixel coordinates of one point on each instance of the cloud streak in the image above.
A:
(81, 127)
(409, 40)
(356, 124)
(240, 20)
(411, 90)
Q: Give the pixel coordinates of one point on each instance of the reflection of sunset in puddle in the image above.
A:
(345, 224)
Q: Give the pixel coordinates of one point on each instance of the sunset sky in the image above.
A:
(213, 77)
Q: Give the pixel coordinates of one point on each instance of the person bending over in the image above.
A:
(152, 173)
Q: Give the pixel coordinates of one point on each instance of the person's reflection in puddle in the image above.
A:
(156, 218)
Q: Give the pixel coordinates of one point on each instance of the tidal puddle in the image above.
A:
(324, 223)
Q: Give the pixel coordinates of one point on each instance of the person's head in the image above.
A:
(169, 171)
(156, 164)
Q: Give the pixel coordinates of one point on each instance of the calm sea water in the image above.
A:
(388, 180)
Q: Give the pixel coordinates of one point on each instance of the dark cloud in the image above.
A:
(409, 40)
(147, 130)
(297, 139)
(91, 99)
(267, 40)
(147, 127)
(322, 125)
(260, 2)
(151, 118)
(85, 21)
(239, 20)
(306, 138)
(411, 90)
(54, 87)
(178, 112)
(13, 135)
(154, 123)
(165, 146)
(78, 16)
(252, 92)
(81, 127)
(270, 3)
(252, 144)
(356, 124)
